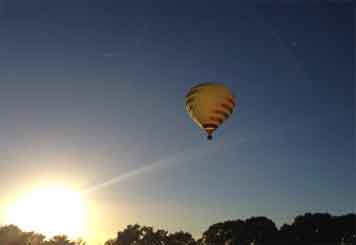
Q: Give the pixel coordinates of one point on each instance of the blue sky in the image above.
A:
(92, 90)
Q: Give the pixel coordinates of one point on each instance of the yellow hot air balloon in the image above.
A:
(209, 105)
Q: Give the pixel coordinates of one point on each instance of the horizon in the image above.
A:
(280, 229)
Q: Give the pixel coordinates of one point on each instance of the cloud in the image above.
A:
(186, 155)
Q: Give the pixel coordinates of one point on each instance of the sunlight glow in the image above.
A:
(50, 211)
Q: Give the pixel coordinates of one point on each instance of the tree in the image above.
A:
(225, 232)
(33, 238)
(11, 234)
(110, 242)
(345, 228)
(151, 237)
(130, 235)
(59, 240)
(146, 235)
(251, 231)
(80, 242)
(181, 238)
(320, 228)
(260, 230)
(307, 229)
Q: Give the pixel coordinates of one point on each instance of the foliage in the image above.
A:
(307, 229)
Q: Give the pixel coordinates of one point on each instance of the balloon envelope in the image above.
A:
(209, 105)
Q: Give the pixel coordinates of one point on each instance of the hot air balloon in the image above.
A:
(209, 105)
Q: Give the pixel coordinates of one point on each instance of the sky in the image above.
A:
(92, 95)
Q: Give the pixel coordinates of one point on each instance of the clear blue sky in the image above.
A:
(91, 90)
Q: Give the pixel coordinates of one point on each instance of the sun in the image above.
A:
(50, 211)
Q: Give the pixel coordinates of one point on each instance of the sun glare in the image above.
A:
(50, 211)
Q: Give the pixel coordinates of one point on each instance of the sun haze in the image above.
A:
(51, 211)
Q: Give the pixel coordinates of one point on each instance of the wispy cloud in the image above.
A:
(181, 157)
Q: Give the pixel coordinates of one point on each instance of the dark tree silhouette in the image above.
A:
(251, 231)
(307, 229)
(129, 236)
(146, 235)
(181, 238)
(320, 228)
(228, 232)
(260, 230)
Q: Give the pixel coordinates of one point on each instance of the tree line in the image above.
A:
(307, 229)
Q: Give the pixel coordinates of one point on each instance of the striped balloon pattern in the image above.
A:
(209, 105)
